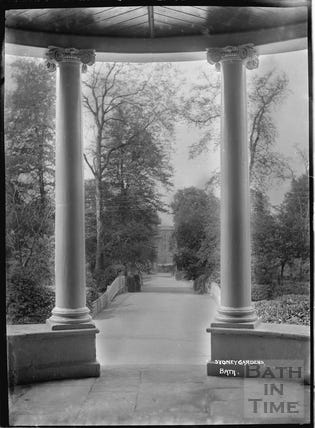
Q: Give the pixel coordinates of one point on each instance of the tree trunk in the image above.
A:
(301, 269)
(283, 263)
(42, 190)
(41, 168)
(98, 205)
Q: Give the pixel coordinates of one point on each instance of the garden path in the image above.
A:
(165, 323)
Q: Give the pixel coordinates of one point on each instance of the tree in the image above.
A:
(134, 173)
(30, 127)
(294, 224)
(29, 133)
(126, 107)
(278, 239)
(196, 220)
(203, 109)
(266, 93)
(131, 202)
(264, 239)
(29, 149)
(209, 252)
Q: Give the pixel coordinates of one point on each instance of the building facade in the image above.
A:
(164, 247)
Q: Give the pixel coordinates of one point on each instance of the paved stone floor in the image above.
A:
(144, 395)
(165, 323)
(153, 349)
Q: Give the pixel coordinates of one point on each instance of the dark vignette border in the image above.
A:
(34, 4)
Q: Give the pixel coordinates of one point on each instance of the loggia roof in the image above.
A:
(147, 33)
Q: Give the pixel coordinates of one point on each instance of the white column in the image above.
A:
(70, 309)
(236, 309)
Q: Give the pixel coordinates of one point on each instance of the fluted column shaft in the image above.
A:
(236, 309)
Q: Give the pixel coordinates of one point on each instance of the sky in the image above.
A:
(291, 120)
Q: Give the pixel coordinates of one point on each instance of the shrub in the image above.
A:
(291, 287)
(261, 292)
(289, 309)
(200, 284)
(91, 295)
(90, 281)
(27, 300)
(261, 271)
(179, 275)
(91, 289)
(107, 276)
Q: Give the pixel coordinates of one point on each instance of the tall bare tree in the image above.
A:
(125, 104)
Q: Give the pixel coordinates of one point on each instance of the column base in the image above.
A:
(70, 319)
(62, 326)
(245, 325)
(245, 317)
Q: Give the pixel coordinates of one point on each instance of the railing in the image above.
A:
(118, 286)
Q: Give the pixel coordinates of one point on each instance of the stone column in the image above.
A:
(70, 309)
(236, 309)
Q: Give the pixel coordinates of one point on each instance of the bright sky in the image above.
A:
(291, 120)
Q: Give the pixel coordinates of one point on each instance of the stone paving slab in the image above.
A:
(139, 395)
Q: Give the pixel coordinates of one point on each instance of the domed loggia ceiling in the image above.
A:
(160, 32)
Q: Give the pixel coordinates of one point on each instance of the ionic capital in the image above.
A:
(56, 55)
(245, 53)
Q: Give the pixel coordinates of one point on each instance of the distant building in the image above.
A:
(165, 250)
